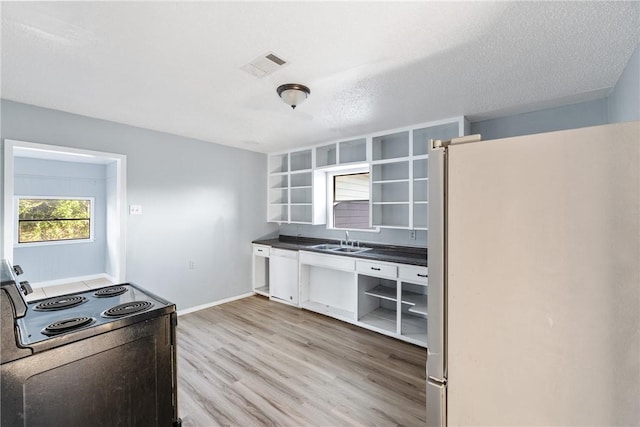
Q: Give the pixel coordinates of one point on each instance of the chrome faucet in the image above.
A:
(346, 233)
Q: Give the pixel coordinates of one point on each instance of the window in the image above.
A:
(54, 219)
(351, 201)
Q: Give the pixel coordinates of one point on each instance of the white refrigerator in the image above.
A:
(534, 279)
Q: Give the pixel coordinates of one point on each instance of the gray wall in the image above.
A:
(583, 114)
(37, 177)
(390, 236)
(200, 201)
(624, 101)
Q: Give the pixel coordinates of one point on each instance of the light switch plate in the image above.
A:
(135, 209)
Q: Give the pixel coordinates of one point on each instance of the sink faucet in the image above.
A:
(346, 233)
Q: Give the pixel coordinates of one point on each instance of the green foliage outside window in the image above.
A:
(45, 220)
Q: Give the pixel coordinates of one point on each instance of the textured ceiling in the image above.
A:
(176, 67)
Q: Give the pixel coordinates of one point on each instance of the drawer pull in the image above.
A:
(259, 250)
(423, 275)
(375, 268)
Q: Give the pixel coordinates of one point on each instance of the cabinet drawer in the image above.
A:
(413, 273)
(376, 269)
(329, 261)
(284, 253)
(261, 250)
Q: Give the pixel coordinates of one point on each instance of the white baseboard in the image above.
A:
(66, 280)
(212, 304)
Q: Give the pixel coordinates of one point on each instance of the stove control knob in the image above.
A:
(26, 287)
(18, 270)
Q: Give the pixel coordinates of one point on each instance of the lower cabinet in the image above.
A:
(283, 275)
(327, 285)
(385, 297)
(260, 266)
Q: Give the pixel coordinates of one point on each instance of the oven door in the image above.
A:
(122, 377)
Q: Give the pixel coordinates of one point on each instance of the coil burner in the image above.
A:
(67, 325)
(60, 303)
(111, 291)
(127, 308)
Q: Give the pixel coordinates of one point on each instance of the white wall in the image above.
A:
(200, 201)
(38, 177)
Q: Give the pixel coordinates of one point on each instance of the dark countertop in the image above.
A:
(388, 253)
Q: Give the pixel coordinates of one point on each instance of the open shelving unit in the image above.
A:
(413, 311)
(291, 188)
(377, 303)
(399, 170)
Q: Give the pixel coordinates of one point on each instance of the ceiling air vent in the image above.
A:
(264, 65)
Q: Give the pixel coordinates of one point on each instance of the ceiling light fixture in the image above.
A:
(293, 93)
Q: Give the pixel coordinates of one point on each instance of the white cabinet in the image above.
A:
(283, 275)
(342, 153)
(392, 299)
(327, 285)
(260, 269)
(412, 322)
(400, 175)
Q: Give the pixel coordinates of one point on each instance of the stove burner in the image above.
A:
(127, 308)
(60, 303)
(67, 325)
(110, 291)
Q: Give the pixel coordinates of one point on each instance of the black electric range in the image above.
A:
(86, 313)
(100, 357)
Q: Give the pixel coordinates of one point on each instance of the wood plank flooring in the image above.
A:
(255, 362)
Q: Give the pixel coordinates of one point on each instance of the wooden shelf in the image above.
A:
(389, 181)
(262, 290)
(413, 298)
(415, 328)
(383, 292)
(381, 318)
(328, 310)
(419, 309)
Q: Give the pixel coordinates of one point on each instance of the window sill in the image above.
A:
(53, 243)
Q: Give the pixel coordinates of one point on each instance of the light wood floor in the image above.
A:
(256, 362)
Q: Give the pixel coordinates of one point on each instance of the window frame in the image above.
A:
(16, 221)
(352, 170)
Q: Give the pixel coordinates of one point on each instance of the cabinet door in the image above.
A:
(283, 275)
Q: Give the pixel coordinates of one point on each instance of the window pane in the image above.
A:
(45, 220)
(351, 187)
(54, 209)
(46, 231)
(353, 214)
(351, 201)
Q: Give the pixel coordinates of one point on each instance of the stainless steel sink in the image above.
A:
(325, 247)
(351, 250)
(337, 248)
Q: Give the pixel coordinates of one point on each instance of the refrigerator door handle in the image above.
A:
(436, 302)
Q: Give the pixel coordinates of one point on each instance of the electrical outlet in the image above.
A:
(192, 265)
(135, 209)
(413, 235)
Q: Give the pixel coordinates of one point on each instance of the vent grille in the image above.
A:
(264, 65)
(275, 59)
